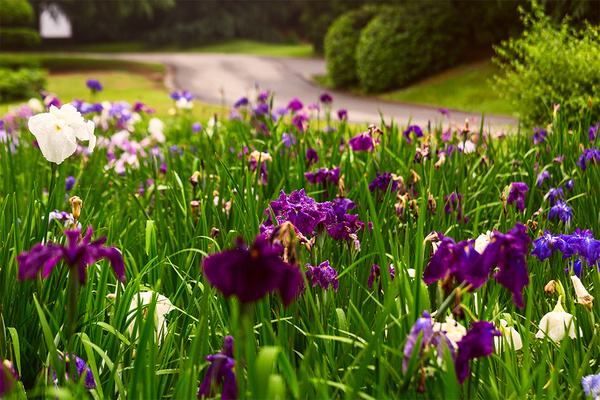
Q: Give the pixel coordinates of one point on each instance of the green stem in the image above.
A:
(72, 292)
(446, 303)
(49, 203)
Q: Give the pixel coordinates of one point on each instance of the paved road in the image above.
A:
(223, 78)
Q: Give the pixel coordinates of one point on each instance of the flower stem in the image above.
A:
(72, 291)
(49, 203)
(446, 303)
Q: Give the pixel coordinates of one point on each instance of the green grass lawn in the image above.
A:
(467, 88)
(122, 80)
(232, 46)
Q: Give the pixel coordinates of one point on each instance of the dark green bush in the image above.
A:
(18, 38)
(340, 45)
(20, 84)
(407, 42)
(551, 64)
(15, 13)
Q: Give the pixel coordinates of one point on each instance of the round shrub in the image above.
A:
(18, 38)
(20, 84)
(15, 13)
(407, 42)
(340, 45)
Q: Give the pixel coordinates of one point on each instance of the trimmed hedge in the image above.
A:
(20, 84)
(18, 38)
(340, 45)
(407, 42)
(15, 13)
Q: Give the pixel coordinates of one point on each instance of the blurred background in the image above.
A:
(445, 53)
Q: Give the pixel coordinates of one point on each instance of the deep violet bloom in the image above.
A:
(382, 182)
(362, 142)
(459, 260)
(416, 129)
(453, 203)
(220, 372)
(376, 274)
(561, 210)
(263, 96)
(555, 194)
(587, 156)
(444, 111)
(507, 252)
(261, 110)
(242, 101)
(311, 156)
(8, 376)
(584, 244)
(539, 135)
(300, 121)
(547, 244)
(82, 371)
(250, 273)
(478, 342)
(593, 132)
(295, 105)
(323, 275)
(542, 177)
(342, 114)
(324, 175)
(430, 337)
(326, 98)
(577, 267)
(69, 183)
(570, 184)
(78, 253)
(516, 195)
(94, 85)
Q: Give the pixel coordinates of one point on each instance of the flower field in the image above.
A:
(284, 253)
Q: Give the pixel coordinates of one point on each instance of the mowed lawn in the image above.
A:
(469, 88)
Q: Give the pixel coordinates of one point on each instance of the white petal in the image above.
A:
(56, 145)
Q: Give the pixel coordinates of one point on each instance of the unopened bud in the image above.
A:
(76, 205)
(194, 179)
(550, 287)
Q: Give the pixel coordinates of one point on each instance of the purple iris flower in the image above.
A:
(263, 96)
(279, 113)
(326, 98)
(444, 111)
(220, 372)
(547, 244)
(577, 267)
(300, 121)
(243, 101)
(382, 182)
(459, 260)
(561, 210)
(311, 156)
(261, 109)
(430, 337)
(295, 105)
(453, 202)
(69, 183)
(539, 135)
(94, 85)
(184, 94)
(78, 253)
(478, 342)
(542, 176)
(288, 139)
(593, 132)
(250, 273)
(362, 142)
(8, 376)
(376, 274)
(516, 195)
(555, 194)
(323, 275)
(81, 368)
(584, 243)
(324, 175)
(570, 184)
(342, 114)
(591, 386)
(416, 129)
(196, 127)
(589, 155)
(507, 252)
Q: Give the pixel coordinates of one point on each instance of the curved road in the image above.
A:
(224, 78)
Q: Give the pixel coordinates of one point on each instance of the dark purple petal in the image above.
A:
(478, 342)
